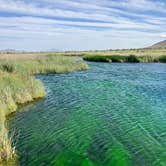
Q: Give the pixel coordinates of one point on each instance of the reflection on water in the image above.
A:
(112, 114)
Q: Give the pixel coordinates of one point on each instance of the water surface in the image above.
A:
(110, 115)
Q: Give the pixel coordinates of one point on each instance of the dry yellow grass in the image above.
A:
(123, 52)
(21, 56)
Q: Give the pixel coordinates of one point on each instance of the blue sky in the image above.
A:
(81, 24)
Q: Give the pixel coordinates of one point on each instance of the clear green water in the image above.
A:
(110, 115)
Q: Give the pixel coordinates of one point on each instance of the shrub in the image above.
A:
(132, 58)
(162, 59)
(96, 58)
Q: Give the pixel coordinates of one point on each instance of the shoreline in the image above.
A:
(20, 87)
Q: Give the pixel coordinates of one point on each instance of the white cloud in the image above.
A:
(163, 35)
(25, 22)
(122, 28)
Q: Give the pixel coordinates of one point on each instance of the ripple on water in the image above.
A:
(112, 114)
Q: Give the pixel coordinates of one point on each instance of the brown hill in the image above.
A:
(159, 45)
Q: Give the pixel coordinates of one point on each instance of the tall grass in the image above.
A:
(6, 149)
(44, 65)
(19, 86)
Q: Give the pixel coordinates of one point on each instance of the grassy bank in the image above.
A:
(122, 52)
(125, 59)
(19, 86)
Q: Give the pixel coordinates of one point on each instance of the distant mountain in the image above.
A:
(12, 51)
(161, 44)
(8, 50)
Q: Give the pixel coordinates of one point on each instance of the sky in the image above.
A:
(44, 25)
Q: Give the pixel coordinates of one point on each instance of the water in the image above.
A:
(110, 115)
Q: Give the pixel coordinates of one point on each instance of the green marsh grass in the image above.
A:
(19, 86)
(125, 59)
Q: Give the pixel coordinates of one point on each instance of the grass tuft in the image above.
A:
(7, 67)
